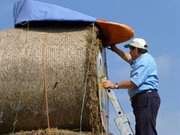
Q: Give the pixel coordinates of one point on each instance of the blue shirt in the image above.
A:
(144, 74)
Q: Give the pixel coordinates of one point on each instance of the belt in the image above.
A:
(148, 91)
(144, 92)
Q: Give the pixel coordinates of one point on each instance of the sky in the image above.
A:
(157, 21)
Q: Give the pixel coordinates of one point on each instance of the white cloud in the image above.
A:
(165, 63)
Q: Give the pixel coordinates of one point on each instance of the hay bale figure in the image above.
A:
(49, 68)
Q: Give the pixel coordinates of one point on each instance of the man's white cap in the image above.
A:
(138, 43)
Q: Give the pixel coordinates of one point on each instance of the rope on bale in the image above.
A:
(85, 82)
(44, 57)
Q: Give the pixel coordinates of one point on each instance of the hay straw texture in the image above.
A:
(61, 61)
(50, 132)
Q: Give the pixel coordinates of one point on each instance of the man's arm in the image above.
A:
(127, 84)
(125, 56)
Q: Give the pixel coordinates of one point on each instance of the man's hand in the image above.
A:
(113, 47)
(107, 84)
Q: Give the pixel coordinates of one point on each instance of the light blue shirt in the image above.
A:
(144, 74)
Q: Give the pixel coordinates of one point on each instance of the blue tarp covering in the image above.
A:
(31, 10)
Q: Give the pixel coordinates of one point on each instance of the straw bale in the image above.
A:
(50, 132)
(60, 60)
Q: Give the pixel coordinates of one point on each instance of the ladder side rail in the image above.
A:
(121, 121)
(115, 103)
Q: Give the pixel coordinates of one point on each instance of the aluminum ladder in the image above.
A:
(121, 121)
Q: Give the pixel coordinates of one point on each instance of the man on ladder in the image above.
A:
(142, 86)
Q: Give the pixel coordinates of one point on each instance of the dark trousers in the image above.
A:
(145, 107)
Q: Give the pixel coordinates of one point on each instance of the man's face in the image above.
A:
(133, 52)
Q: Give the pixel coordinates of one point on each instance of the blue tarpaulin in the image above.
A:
(45, 14)
(31, 10)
